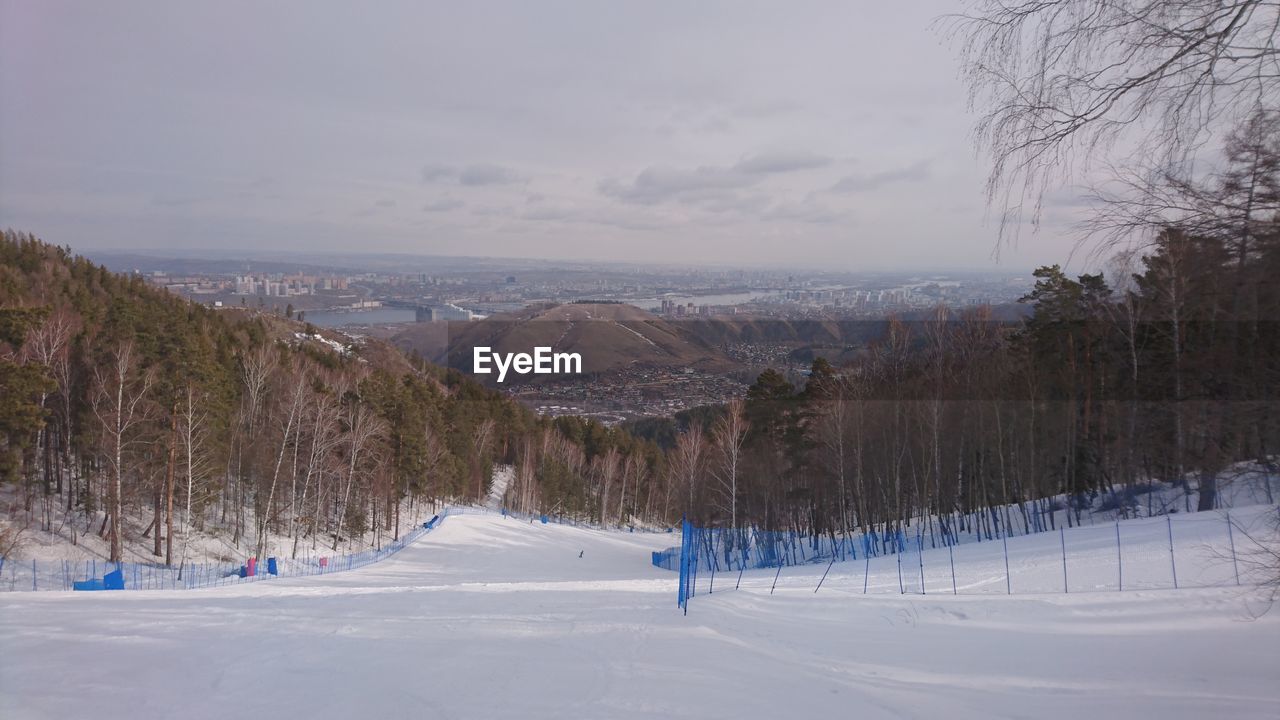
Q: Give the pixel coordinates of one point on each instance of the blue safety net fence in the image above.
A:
(36, 575)
(751, 548)
(551, 518)
(1168, 551)
(545, 518)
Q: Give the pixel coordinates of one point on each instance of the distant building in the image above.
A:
(439, 313)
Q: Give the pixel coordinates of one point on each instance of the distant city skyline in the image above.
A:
(804, 135)
(358, 262)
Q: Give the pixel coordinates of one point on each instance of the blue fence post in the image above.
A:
(775, 575)
(711, 588)
(742, 562)
(824, 574)
(1008, 581)
(1232, 539)
(1119, 559)
(695, 535)
(1173, 564)
(866, 572)
(952, 557)
(920, 552)
(1062, 532)
(898, 555)
(682, 596)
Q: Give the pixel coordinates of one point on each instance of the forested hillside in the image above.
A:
(1172, 377)
(119, 400)
(1166, 367)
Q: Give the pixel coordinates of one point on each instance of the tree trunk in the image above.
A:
(168, 490)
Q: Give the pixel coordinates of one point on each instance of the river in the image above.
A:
(377, 316)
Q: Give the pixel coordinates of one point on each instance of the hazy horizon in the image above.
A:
(810, 135)
(320, 257)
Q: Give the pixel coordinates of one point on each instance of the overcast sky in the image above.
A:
(821, 134)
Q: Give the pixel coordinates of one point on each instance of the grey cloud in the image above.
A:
(432, 173)
(807, 212)
(554, 211)
(546, 213)
(174, 200)
(443, 205)
(491, 211)
(714, 126)
(488, 175)
(642, 222)
(863, 183)
(695, 138)
(637, 225)
(475, 175)
(780, 162)
(765, 109)
(657, 184)
(743, 204)
(386, 203)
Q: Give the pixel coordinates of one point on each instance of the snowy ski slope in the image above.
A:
(492, 617)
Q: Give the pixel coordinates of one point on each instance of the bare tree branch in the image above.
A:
(1060, 83)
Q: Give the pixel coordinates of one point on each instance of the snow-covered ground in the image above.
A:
(492, 617)
(499, 480)
(213, 544)
(1183, 551)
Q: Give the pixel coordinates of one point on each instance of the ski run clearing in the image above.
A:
(493, 617)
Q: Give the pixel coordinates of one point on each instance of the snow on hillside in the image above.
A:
(499, 480)
(213, 544)
(493, 617)
(1142, 560)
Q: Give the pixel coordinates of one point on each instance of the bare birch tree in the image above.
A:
(48, 345)
(120, 406)
(1061, 82)
(363, 427)
(689, 461)
(294, 402)
(728, 435)
(193, 432)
